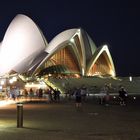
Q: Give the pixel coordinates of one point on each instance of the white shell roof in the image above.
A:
(60, 38)
(22, 39)
(67, 36)
(55, 43)
(24, 47)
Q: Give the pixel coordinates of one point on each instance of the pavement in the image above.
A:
(63, 121)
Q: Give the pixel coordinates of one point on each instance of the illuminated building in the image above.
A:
(24, 49)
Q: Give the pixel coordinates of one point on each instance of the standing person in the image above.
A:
(12, 94)
(107, 96)
(50, 98)
(55, 94)
(83, 93)
(102, 95)
(122, 96)
(78, 97)
(25, 93)
(31, 94)
(58, 95)
(40, 93)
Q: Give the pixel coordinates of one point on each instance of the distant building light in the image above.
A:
(27, 78)
(32, 85)
(112, 73)
(42, 83)
(89, 74)
(49, 75)
(5, 102)
(11, 81)
(134, 98)
(130, 78)
(2, 82)
(14, 79)
(72, 40)
(38, 79)
(114, 97)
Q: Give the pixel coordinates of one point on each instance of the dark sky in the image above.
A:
(115, 22)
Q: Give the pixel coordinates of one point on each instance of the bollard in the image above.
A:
(19, 115)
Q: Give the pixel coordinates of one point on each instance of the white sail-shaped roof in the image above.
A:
(25, 49)
(60, 38)
(22, 42)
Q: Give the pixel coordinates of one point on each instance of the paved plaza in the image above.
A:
(62, 121)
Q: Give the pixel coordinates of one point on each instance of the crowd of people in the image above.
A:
(104, 96)
(49, 94)
(79, 93)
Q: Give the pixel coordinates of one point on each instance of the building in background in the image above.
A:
(24, 50)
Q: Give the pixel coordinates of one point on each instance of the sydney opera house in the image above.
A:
(25, 51)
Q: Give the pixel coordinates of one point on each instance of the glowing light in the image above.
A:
(78, 30)
(130, 78)
(112, 73)
(35, 85)
(6, 102)
(89, 74)
(11, 81)
(42, 83)
(38, 79)
(27, 78)
(14, 79)
(114, 97)
(72, 40)
(134, 98)
(77, 76)
(2, 82)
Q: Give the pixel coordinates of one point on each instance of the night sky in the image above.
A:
(114, 22)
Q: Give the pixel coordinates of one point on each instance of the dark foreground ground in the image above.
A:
(62, 121)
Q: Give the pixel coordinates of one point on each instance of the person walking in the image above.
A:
(78, 97)
(122, 96)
